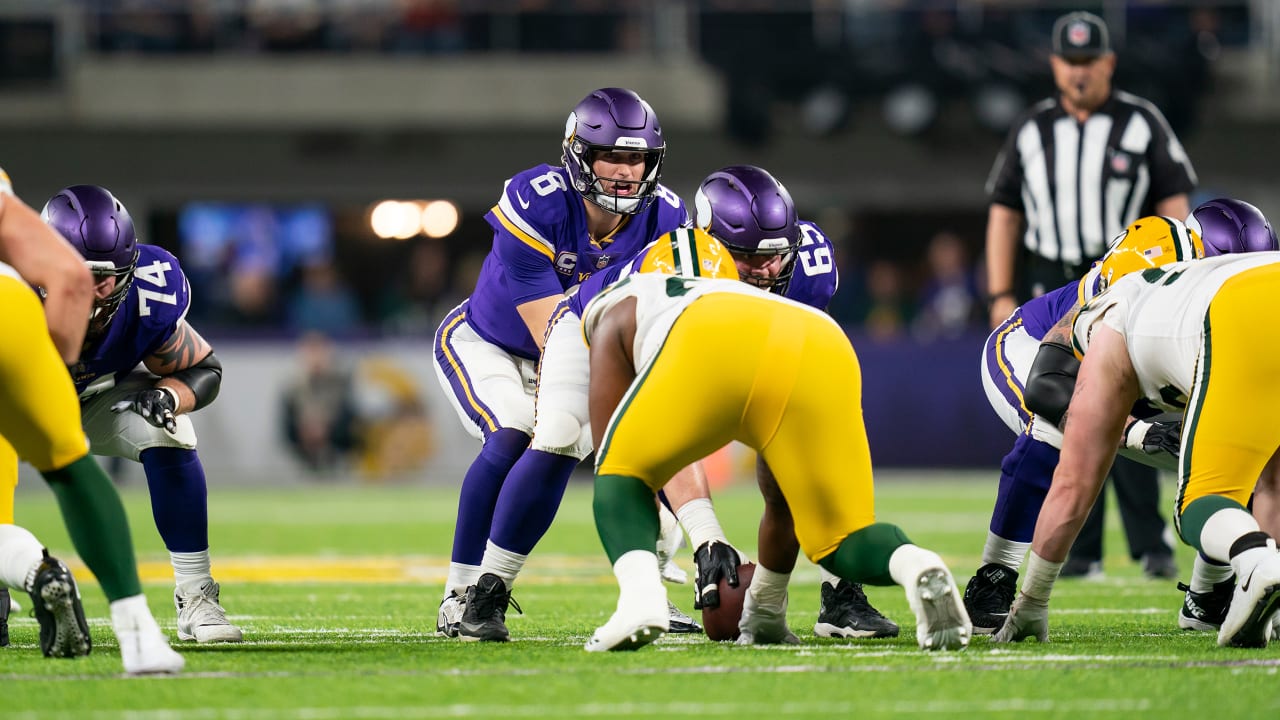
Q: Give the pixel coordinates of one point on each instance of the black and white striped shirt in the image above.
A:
(1080, 184)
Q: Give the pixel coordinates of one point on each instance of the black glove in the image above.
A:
(1160, 433)
(155, 405)
(714, 559)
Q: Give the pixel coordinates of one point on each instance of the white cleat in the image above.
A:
(761, 625)
(941, 620)
(636, 623)
(143, 647)
(201, 617)
(1252, 613)
(449, 616)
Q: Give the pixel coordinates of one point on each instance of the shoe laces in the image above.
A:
(494, 601)
(984, 592)
(853, 597)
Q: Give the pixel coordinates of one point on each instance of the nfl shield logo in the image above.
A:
(1120, 162)
(601, 262)
(1078, 34)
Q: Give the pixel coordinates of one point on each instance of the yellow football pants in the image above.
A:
(39, 410)
(1232, 423)
(781, 379)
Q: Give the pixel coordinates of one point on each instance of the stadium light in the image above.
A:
(395, 219)
(439, 218)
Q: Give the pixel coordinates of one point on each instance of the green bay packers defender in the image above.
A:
(680, 367)
(1194, 338)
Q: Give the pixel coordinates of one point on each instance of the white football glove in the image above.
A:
(1028, 617)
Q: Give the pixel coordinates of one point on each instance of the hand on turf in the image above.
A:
(155, 405)
(1027, 618)
(714, 559)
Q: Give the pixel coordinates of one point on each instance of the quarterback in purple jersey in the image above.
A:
(1223, 226)
(553, 228)
(141, 414)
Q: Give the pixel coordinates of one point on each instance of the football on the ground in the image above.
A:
(721, 623)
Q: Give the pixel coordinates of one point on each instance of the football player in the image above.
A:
(740, 364)
(1186, 338)
(553, 228)
(139, 317)
(753, 215)
(1223, 226)
(40, 423)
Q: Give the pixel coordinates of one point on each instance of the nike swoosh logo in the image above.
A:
(1245, 585)
(523, 204)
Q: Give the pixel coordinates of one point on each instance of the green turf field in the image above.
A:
(336, 589)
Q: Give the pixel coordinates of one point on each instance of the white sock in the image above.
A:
(698, 517)
(637, 569)
(190, 567)
(1204, 574)
(461, 576)
(1008, 553)
(908, 561)
(1222, 529)
(769, 588)
(503, 563)
(828, 577)
(132, 614)
(20, 555)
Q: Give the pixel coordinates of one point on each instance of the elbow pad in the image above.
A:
(1051, 381)
(204, 378)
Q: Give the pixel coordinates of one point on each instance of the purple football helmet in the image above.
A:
(751, 213)
(613, 119)
(99, 226)
(1232, 226)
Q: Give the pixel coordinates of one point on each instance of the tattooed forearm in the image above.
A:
(1061, 331)
(184, 349)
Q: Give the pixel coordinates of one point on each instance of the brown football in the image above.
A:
(721, 623)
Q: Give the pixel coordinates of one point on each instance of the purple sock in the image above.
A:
(529, 499)
(1025, 475)
(179, 497)
(480, 490)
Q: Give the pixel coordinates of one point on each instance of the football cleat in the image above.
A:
(4, 617)
(636, 623)
(941, 621)
(988, 596)
(55, 601)
(761, 625)
(680, 623)
(1253, 604)
(1083, 569)
(201, 617)
(485, 615)
(1159, 566)
(1205, 611)
(450, 614)
(845, 612)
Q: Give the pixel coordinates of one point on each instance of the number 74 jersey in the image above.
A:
(149, 315)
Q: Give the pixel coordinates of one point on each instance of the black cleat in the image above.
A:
(988, 596)
(1159, 566)
(845, 612)
(485, 616)
(55, 601)
(1205, 611)
(4, 617)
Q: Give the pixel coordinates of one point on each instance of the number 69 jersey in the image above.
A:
(149, 315)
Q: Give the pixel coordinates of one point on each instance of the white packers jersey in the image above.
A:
(660, 299)
(7, 270)
(1161, 315)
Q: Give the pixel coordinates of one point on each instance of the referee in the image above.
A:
(1074, 171)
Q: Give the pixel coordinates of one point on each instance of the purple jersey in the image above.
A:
(815, 278)
(541, 248)
(1040, 314)
(813, 283)
(149, 315)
